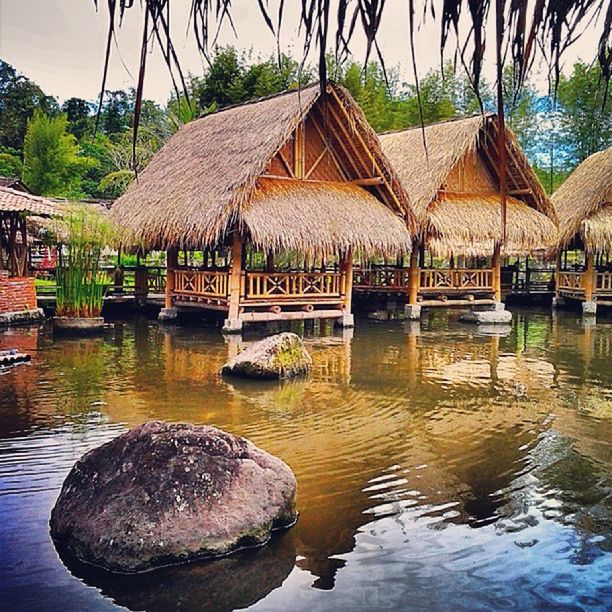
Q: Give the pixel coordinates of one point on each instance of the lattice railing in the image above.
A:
(572, 281)
(291, 285)
(381, 278)
(456, 279)
(604, 282)
(201, 283)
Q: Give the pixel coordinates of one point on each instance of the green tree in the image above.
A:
(52, 165)
(585, 127)
(11, 165)
(79, 113)
(19, 98)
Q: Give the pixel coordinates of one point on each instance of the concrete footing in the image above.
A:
(589, 309)
(167, 314)
(557, 302)
(412, 312)
(347, 320)
(488, 314)
(232, 326)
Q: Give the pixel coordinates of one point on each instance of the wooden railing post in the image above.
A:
(495, 264)
(346, 267)
(233, 323)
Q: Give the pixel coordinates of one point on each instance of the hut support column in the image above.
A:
(496, 265)
(412, 310)
(169, 312)
(589, 306)
(346, 270)
(557, 299)
(233, 323)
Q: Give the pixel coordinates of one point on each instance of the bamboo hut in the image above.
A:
(17, 290)
(279, 195)
(451, 176)
(584, 207)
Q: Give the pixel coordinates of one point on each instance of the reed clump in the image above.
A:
(82, 235)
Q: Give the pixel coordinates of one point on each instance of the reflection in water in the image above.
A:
(437, 464)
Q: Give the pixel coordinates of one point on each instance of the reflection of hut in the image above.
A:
(584, 207)
(279, 194)
(453, 186)
(17, 291)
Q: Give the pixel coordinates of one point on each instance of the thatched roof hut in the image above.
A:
(235, 168)
(584, 205)
(453, 184)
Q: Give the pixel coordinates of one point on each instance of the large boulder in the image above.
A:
(280, 356)
(167, 493)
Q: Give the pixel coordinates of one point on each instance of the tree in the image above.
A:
(585, 126)
(11, 165)
(79, 114)
(19, 98)
(117, 112)
(52, 165)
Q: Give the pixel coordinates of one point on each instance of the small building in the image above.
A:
(262, 207)
(450, 174)
(17, 290)
(584, 207)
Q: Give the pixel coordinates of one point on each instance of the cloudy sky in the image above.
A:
(60, 44)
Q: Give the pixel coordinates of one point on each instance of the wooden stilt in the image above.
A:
(414, 274)
(233, 322)
(496, 265)
(589, 277)
(346, 267)
(171, 265)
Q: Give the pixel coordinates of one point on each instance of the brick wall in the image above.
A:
(16, 293)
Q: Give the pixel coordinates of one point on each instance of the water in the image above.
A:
(438, 469)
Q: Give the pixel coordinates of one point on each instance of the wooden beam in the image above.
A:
(235, 280)
(286, 163)
(414, 274)
(375, 180)
(348, 155)
(171, 265)
(496, 265)
(589, 277)
(317, 161)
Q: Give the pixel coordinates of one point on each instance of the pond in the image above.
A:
(438, 466)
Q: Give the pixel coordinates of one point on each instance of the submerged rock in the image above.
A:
(280, 356)
(167, 493)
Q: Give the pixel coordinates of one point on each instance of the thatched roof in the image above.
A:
(321, 215)
(584, 204)
(203, 181)
(13, 201)
(467, 223)
(476, 219)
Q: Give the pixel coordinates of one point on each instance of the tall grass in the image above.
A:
(82, 234)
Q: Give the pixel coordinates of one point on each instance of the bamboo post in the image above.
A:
(495, 264)
(589, 277)
(346, 266)
(171, 265)
(233, 323)
(414, 274)
(558, 273)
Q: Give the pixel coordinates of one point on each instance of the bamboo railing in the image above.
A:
(201, 283)
(268, 286)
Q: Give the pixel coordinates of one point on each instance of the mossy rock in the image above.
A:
(276, 357)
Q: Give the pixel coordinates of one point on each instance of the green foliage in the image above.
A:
(585, 127)
(52, 165)
(550, 182)
(10, 163)
(19, 98)
(79, 115)
(82, 235)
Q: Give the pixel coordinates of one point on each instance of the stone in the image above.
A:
(21, 317)
(276, 357)
(167, 314)
(488, 314)
(589, 309)
(412, 311)
(166, 493)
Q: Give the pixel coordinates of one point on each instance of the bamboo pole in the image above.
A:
(171, 264)
(496, 265)
(235, 281)
(501, 134)
(414, 274)
(347, 269)
(589, 277)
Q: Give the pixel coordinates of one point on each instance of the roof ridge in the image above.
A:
(410, 128)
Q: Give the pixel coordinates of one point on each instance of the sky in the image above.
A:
(59, 44)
